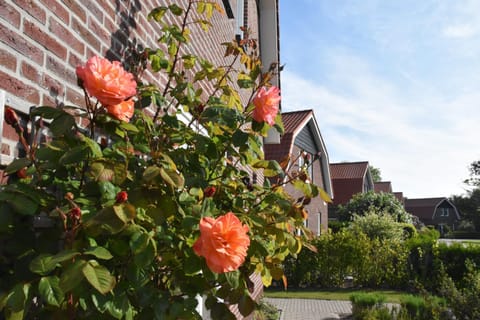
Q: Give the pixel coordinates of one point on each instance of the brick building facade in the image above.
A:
(42, 41)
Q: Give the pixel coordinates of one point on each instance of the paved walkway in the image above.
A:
(311, 309)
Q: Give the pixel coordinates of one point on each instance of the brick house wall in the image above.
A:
(42, 42)
(317, 208)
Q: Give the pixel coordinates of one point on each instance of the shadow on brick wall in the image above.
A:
(123, 47)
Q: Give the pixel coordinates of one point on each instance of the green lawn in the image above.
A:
(336, 294)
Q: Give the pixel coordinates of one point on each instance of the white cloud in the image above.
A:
(423, 157)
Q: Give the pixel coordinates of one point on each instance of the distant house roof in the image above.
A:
(349, 178)
(425, 208)
(383, 186)
(294, 122)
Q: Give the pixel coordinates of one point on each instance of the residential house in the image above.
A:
(438, 212)
(400, 197)
(302, 142)
(348, 179)
(383, 186)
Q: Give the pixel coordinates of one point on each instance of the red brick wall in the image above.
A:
(317, 207)
(42, 41)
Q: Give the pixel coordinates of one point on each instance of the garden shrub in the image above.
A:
(423, 307)
(369, 306)
(422, 250)
(463, 297)
(454, 256)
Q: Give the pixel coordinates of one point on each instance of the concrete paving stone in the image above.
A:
(311, 309)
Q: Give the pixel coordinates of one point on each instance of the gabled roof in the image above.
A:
(348, 179)
(294, 122)
(348, 170)
(425, 208)
(383, 186)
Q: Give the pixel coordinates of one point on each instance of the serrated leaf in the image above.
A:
(50, 291)
(43, 264)
(246, 305)
(233, 278)
(62, 124)
(157, 13)
(176, 10)
(46, 112)
(74, 155)
(18, 296)
(151, 173)
(99, 252)
(99, 277)
(72, 276)
(94, 147)
(172, 177)
(271, 168)
(17, 164)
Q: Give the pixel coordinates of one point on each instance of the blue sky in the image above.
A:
(396, 83)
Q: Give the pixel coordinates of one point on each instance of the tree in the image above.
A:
(474, 169)
(469, 206)
(376, 173)
(381, 203)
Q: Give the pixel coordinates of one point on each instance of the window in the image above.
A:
(444, 212)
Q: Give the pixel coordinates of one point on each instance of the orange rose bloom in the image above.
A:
(122, 111)
(266, 105)
(107, 81)
(223, 242)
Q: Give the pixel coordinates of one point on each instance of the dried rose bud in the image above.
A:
(11, 117)
(76, 213)
(122, 196)
(200, 108)
(209, 191)
(22, 173)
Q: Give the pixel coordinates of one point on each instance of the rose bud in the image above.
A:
(122, 196)
(22, 173)
(11, 117)
(209, 191)
(76, 213)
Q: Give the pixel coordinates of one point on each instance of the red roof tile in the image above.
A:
(292, 121)
(348, 170)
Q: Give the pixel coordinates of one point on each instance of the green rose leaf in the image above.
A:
(72, 276)
(17, 164)
(43, 264)
(99, 277)
(99, 252)
(50, 291)
(233, 278)
(246, 305)
(172, 177)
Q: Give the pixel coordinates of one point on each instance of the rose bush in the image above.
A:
(121, 215)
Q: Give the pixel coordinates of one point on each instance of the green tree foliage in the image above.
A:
(380, 203)
(376, 173)
(378, 226)
(371, 262)
(474, 169)
(469, 207)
